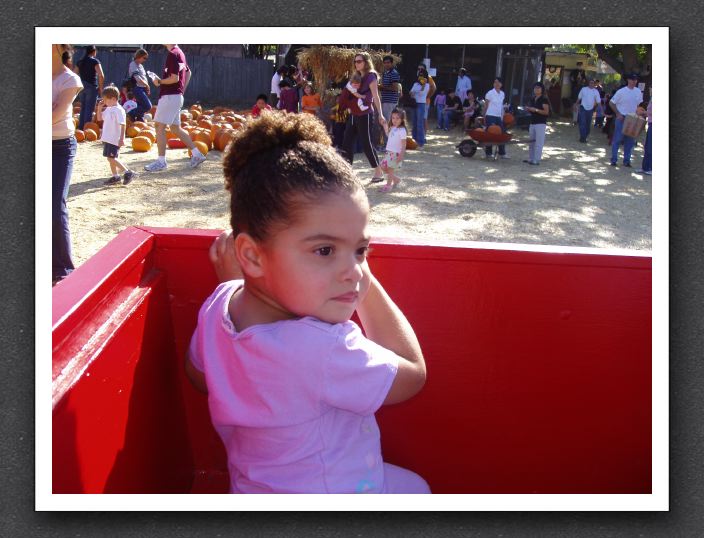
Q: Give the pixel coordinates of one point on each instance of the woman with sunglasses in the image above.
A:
(359, 125)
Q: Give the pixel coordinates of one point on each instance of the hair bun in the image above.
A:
(273, 130)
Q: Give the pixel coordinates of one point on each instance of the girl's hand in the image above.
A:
(382, 120)
(366, 281)
(222, 256)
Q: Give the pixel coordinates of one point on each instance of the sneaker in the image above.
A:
(627, 165)
(128, 177)
(504, 156)
(646, 172)
(613, 164)
(196, 159)
(533, 163)
(155, 166)
(112, 181)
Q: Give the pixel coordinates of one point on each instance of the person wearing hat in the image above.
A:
(625, 101)
(464, 85)
(588, 101)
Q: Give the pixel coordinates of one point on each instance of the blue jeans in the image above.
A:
(88, 98)
(585, 121)
(144, 105)
(628, 143)
(62, 155)
(438, 110)
(648, 150)
(494, 120)
(419, 124)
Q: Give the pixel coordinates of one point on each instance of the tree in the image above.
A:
(625, 59)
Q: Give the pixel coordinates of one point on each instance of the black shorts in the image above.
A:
(110, 150)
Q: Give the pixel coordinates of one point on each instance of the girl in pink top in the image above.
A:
(292, 383)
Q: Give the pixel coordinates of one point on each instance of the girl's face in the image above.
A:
(497, 85)
(141, 59)
(317, 265)
(395, 119)
(359, 63)
(307, 90)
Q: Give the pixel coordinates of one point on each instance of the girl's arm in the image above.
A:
(402, 155)
(196, 377)
(101, 78)
(385, 324)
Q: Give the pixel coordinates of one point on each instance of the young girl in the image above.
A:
(395, 148)
(310, 102)
(292, 383)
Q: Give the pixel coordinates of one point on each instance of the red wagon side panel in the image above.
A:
(538, 369)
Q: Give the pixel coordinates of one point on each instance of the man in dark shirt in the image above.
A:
(453, 107)
(92, 77)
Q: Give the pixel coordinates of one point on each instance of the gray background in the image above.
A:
(17, 516)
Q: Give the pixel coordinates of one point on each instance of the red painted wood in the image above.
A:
(538, 372)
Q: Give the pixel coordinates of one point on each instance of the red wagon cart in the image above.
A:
(538, 358)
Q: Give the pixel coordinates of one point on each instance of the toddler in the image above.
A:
(130, 104)
(113, 134)
(350, 92)
(395, 148)
(260, 105)
(310, 102)
(440, 100)
(292, 382)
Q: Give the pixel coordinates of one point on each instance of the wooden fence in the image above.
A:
(215, 80)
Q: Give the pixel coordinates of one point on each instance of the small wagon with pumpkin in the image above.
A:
(488, 136)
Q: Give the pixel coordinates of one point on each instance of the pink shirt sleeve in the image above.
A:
(358, 373)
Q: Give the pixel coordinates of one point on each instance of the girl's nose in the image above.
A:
(353, 270)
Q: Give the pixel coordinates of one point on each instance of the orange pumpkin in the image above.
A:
(223, 138)
(410, 143)
(90, 134)
(185, 116)
(93, 126)
(508, 119)
(204, 136)
(151, 135)
(170, 135)
(132, 131)
(195, 113)
(202, 147)
(205, 124)
(494, 129)
(141, 143)
(80, 135)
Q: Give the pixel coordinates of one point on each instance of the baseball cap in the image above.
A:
(633, 76)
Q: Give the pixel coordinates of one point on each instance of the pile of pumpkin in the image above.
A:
(209, 129)
(495, 130)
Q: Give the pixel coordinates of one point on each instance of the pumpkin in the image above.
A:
(91, 125)
(185, 116)
(170, 135)
(175, 143)
(508, 119)
(495, 130)
(151, 135)
(410, 143)
(90, 134)
(132, 131)
(223, 138)
(205, 124)
(202, 147)
(140, 124)
(195, 113)
(141, 143)
(80, 135)
(204, 136)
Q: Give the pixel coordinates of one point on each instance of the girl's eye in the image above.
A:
(363, 251)
(323, 251)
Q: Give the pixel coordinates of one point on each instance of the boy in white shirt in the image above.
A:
(494, 114)
(113, 134)
(588, 101)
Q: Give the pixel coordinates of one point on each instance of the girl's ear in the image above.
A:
(249, 255)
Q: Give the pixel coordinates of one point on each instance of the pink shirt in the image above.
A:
(294, 400)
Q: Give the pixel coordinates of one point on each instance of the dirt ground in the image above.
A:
(573, 198)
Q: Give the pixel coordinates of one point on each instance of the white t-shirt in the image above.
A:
(275, 84)
(589, 97)
(129, 105)
(496, 103)
(420, 93)
(627, 100)
(63, 127)
(113, 118)
(396, 137)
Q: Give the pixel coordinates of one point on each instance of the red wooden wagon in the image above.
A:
(539, 368)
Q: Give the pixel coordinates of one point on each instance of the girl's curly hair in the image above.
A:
(276, 164)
